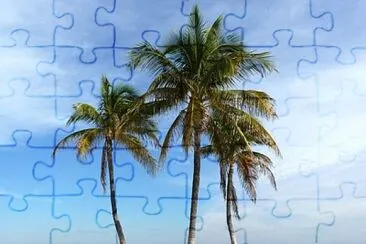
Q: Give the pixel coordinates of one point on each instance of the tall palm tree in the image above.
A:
(113, 124)
(191, 74)
(230, 137)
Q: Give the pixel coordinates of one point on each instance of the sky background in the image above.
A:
(52, 55)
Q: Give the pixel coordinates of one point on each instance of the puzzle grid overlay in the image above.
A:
(52, 55)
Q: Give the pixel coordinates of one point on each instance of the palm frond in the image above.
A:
(247, 175)
(84, 113)
(254, 130)
(178, 49)
(73, 138)
(265, 163)
(122, 95)
(207, 151)
(258, 135)
(146, 57)
(214, 34)
(138, 151)
(172, 132)
(255, 63)
(196, 31)
(105, 89)
(256, 103)
(87, 142)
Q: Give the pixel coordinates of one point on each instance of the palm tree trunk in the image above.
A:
(112, 186)
(195, 187)
(229, 198)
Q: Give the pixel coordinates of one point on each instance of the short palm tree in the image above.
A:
(113, 124)
(191, 74)
(232, 139)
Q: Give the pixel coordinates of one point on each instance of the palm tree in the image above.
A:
(230, 137)
(191, 74)
(113, 124)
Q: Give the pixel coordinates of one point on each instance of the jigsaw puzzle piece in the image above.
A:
(293, 84)
(25, 16)
(20, 60)
(301, 225)
(182, 171)
(82, 208)
(349, 212)
(15, 165)
(343, 13)
(280, 15)
(85, 27)
(213, 211)
(37, 223)
(351, 114)
(67, 63)
(293, 186)
(66, 169)
(326, 68)
(130, 20)
(172, 220)
(340, 90)
(20, 111)
(333, 173)
(164, 185)
(304, 134)
(330, 73)
(288, 172)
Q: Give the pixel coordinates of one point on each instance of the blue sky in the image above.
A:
(51, 60)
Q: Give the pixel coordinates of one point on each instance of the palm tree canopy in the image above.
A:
(232, 139)
(193, 72)
(110, 120)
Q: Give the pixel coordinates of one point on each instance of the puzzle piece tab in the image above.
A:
(347, 209)
(37, 223)
(131, 20)
(341, 93)
(332, 173)
(291, 80)
(85, 27)
(67, 63)
(15, 165)
(172, 220)
(141, 185)
(182, 170)
(22, 15)
(20, 111)
(258, 30)
(213, 211)
(301, 225)
(304, 134)
(82, 208)
(342, 34)
(20, 60)
(87, 93)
